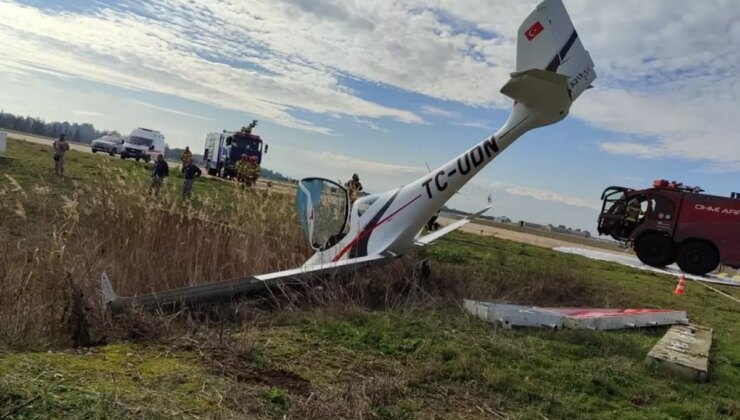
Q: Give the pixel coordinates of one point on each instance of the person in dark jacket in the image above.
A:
(159, 173)
(189, 171)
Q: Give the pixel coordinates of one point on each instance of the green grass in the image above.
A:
(428, 361)
(31, 168)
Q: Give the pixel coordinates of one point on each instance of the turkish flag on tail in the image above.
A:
(534, 30)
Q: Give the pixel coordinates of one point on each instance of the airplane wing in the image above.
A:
(228, 289)
(427, 239)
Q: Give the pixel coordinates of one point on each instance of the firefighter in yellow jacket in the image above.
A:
(242, 170)
(354, 186)
(186, 155)
(253, 171)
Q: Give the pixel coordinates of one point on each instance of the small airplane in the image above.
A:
(552, 70)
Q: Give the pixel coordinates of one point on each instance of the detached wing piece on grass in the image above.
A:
(427, 239)
(229, 289)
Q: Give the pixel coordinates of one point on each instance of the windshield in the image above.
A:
(323, 208)
(247, 143)
(614, 202)
(140, 141)
(364, 203)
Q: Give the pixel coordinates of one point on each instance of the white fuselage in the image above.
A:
(553, 69)
(391, 223)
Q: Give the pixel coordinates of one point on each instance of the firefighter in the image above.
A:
(253, 171)
(60, 151)
(354, 187)
(632, 214)
(242, 169)
(186, 155)
(248, 129)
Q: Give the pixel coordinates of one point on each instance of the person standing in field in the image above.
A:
(186, 154)
(159, 173)
(189, 171)
(60, 151)
(354, 187)
(253, 171)
(242, 170)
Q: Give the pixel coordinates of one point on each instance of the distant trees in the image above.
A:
(82, 133)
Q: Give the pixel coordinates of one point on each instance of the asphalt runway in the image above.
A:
(632, 261)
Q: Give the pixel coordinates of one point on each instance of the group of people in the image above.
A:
(160, 171)
(189, 169)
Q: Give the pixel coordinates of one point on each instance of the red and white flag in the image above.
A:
(534, 30)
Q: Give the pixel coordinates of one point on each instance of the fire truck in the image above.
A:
(223, 150)
(671, 222)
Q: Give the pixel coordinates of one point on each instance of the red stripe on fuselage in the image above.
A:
(369, 229)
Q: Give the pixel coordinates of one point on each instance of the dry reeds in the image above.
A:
(50, 268)
(63, 243)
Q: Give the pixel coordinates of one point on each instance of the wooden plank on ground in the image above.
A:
(684, 350)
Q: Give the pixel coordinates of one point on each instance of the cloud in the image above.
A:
(454, 117)
(544, 195)
(535, 193)
(186, 56)
(350, 164)
(669, 86)
(664, 125)
(439, 112)
(669, 71)
(171, 111)
(84, 113)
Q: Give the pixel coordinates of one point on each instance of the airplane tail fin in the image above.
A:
(548, 41)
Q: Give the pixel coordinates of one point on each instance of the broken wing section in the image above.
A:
(427, 239)
(229, 289)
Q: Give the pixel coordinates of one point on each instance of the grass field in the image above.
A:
(382, 346)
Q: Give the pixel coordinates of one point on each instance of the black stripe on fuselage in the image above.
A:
(555, 63)
(360, 250)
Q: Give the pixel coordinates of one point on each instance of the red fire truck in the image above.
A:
(671, 222)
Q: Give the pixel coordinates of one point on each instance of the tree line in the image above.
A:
(82, 133)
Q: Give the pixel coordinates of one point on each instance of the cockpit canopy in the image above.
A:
(323, 209)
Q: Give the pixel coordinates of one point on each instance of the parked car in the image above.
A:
(107, 144)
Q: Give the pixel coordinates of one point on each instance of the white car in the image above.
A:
(107, 144)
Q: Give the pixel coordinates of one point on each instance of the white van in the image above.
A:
(143, 143)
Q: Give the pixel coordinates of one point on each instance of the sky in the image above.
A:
(387, 88)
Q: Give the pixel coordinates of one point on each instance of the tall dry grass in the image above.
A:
(58, 246)
(63, 243)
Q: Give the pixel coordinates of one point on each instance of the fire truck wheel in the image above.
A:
(697, 257)
(655, 250)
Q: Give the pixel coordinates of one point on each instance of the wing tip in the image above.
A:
(109, 295)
